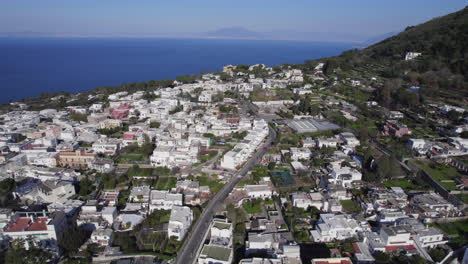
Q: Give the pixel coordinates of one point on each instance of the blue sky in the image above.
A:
(345, 19)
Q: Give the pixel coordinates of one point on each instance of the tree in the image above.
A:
(314, 212)
(79, 117)
(381, 258)
(72, 238)
(155, 124)
(186, 78)
(19, 255)
(7, 186)
(386, 92)
(147, 147)
(464, 134)
(225, 77)
(85, 187)
(454, 115)
(363, 134)
(437, 254)
(149, 96)
(384, 167)
(271, 165)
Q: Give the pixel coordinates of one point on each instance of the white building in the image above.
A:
(327, 142)
(344, 176)
(335, 227)
(46, 159)
(258, 191)
(179, 222)
(102, 237)
(140, 194)
(235, 157)
(300, 154)
(107, 146)
(174, 156)
(219, 250)
(212, 254)
(301, 200)
(395, 115)
(36, 227)
(396, 235)
(205, 97)
(164, 200)
(349, 139)
(50, 191)
(412, 55)
(221, 233)
(242, 151)
(416, 144)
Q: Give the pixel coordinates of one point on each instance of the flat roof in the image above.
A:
(311, 125)
(217, 252)
(220, 225)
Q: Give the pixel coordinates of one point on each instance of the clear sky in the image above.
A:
(349, 19)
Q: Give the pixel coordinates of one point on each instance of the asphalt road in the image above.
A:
(188, 252)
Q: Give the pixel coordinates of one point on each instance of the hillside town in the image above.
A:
(251, 165)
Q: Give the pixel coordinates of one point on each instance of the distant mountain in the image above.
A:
(234, 32)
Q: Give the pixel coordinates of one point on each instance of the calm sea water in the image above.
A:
(29, 67)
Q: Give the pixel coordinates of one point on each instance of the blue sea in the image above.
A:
(29, 67)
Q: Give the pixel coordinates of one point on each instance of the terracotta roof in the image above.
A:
(37, 226)
(26, 224)
(20, 225)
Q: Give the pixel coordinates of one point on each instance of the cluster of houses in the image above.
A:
(49, 152)
(454, 146)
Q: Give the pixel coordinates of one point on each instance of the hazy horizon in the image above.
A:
(336, 20)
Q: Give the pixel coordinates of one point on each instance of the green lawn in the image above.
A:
(215, 185)
(130, 157)
(449, 185)
(350, 206)
(458, 231)
(440, 173)
(405, 184)
(166, 183)
(253, 207)
(463, 197)
(137, 171)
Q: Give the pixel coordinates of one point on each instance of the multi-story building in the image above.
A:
(76, 160)
(102, 236)
(258, 191)
(301, 200)
(140, 194)
(335, 227)
(164, 200)
(110, 123)
(108, 146)
(50, 191)
(395, 128)
(219, 250)
(36, 227)
(179, 222)
(300, 154)
(344, 176)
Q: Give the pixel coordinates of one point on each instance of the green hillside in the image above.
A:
(441, 71)
(443, 41)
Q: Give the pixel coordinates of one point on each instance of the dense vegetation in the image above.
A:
(441, 71)
(442, 41)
